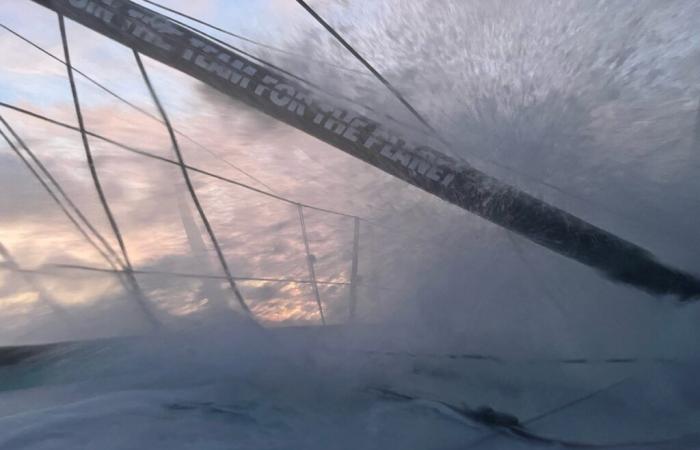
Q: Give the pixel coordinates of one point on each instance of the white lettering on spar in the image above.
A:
(222, 64)
(141, 24)
(350, 126)
(100, 10)
(151, 28)
(282, 95)
(418, 160)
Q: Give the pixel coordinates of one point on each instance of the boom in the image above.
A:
(279, 96)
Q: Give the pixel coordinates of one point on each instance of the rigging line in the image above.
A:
(507, 425)
(303, 58)
(576, 401)
(170, 161)
(369, 67)
(198, 276)
(47, 270)
(310, 263)
(86, 145)
(190, 187)
(132, 105)
(553, 411)
(207, 276)
(140, 298)
(55, 197)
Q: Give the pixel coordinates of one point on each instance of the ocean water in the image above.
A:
(237, 386)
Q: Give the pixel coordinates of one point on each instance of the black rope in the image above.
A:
(369, 67)
(132, 105)
(140, 298)
(190, 187)
(86, 146)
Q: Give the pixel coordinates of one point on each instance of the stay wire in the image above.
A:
(140, 298)
(369, 67)
(190, 187)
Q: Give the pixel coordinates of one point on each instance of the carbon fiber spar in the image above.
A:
(160, 38)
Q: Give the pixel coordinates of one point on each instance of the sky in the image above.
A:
(599, 99)
(261, 238)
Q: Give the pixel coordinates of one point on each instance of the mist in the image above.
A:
(592, 106)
